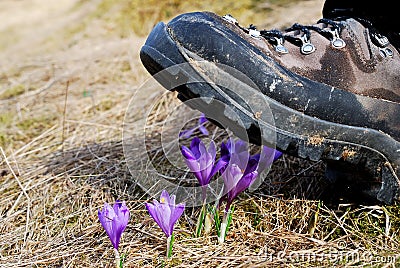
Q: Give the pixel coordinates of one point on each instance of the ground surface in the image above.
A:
(68, 71)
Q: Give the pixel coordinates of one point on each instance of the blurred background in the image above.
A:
(94, 44)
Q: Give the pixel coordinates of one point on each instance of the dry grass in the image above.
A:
(62, 106)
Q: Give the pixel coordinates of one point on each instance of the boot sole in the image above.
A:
(297, 134)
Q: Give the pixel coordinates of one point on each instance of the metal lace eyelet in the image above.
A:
(379, 39)
(306, 47)
(389, 52)
(386, 52)
(336, 41)
(254, 33)
(279, 47)
(382, 42)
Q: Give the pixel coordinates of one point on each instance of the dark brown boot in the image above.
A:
(333, 88)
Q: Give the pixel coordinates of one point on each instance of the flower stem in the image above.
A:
(117, 258)
(204, 193)
(226, 222)
(170, 242)
(200, 220)
(223, 229)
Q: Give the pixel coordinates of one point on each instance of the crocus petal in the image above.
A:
(229, 144)
(206, 162)
(105, 216)
(194, 167)
(267, 157)
(203, 130)
(161, 214)
(122, 213)
(211, 150)
(203, 119)
(218, 166)
(176, 212)
(165, 213)
(152, 209)
(175, 215)
(118, 229)
(107, 225)
(240, 146)
(201, 147)
(242, 159)
(187, 153)
(200, 160)
(252, 165)
(236, 182)
(165, 198)
(231, 177)
(187, 133)
(238, 150)
(191, 161)
(194, 147)
(120, 221)
(277, 155)
(245, 182)
(114, 221)
(255, 157)
(225, 151)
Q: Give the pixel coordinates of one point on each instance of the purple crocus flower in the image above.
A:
(202, 121)
(188, 133)
(238, 148)
(201, 161)
(114, 220)
(267, 157)
(165, 213)
(238, 175)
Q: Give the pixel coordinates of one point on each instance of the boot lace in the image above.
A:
(300, 35)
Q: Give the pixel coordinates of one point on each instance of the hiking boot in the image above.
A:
(333, 88)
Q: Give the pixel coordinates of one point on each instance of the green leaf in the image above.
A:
(217, 221)
(200, 220)
(229, 220)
